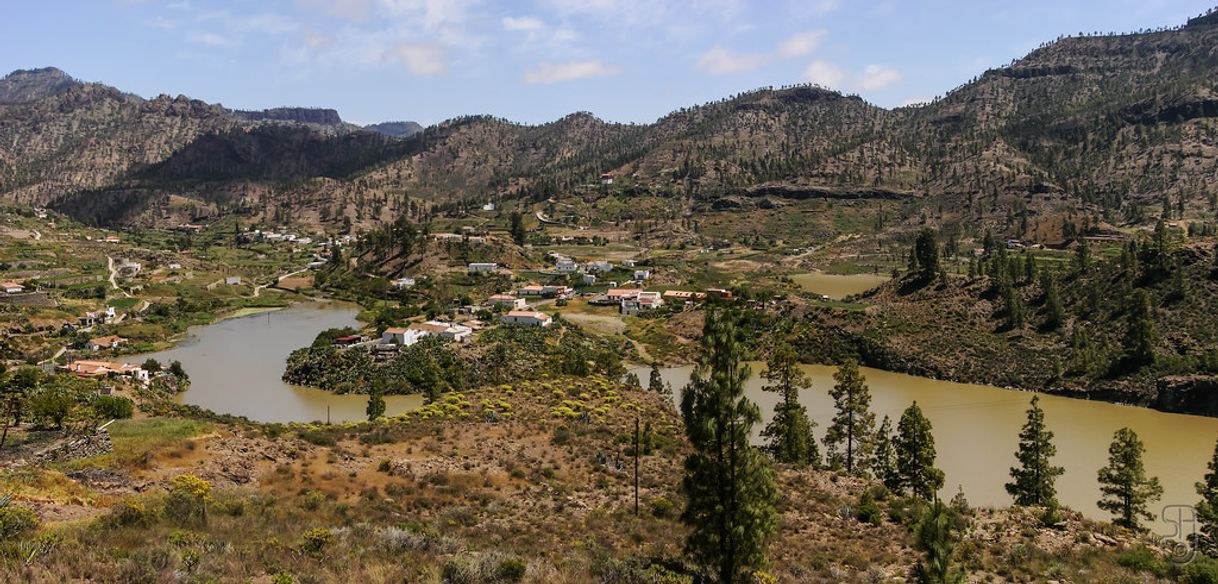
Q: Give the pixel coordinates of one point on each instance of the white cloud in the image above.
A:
(524, 23)
(317, 41)
(354, 10)
(211, 39)
(825, 74)
(547, 73)
(877, 77)
(423, 59)
(801, 44)
(720, 61)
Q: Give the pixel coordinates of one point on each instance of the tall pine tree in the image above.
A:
(1033, 480)
(884, 461)
(915, 446)
(848, 440)
(1140, 332)
(789, 434)
(728, 486)
(1127, 491)
(1207, 509)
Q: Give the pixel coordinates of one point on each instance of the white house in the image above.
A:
(401, 336)
(629, 263)
(233, 280)
(511, 302)
(547, 290)
(598, 266)
(607, 178)
(527, 318)
(174, 266)
(483, 267)
(12, 288)
(488, 207)
(641, 275)
(446, 331)
(99, 343)
(589, 279)
(644, 301)
(566, 265)
(401, 283)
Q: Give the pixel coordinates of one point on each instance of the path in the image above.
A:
(258, 288)
(61, 351)
(114, 276)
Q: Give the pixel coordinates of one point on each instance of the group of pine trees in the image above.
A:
(731, 492)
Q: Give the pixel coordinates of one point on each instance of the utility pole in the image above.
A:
(637, 447)
(327, 414)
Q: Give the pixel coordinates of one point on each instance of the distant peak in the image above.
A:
(25, 85)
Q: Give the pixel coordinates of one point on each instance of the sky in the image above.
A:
(535, 61)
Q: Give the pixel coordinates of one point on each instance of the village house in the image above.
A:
(483, 267)
(683, 295)
(88, 368)
(401, 283)
(629, 263)
(527, 318)
(719, 293)
(447, 237)
(598, 266)
(643, 301)
(107, 342)
(401, 336)
(12, 288)
(507, 300)
(641, 275)
(444, 330)
(589, 279)
(620, 294)
(233, 281)
(112, 239)
(566, 265)
(96, 317)
(174, 266)
(607, 178)
(130, 267)
(546, 291)
(348, 341)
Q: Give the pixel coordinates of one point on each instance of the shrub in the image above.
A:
(187, 500)
(661, 507)
(130, 513)
(318, 438)
(1202, 570)
(316, 540)
(311, 500)
(868, 511)
(113, 406)
(16, 521)
(1142, 559)
(511, 569)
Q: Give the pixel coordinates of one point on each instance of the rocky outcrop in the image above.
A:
(1192, 394)
(75, 447)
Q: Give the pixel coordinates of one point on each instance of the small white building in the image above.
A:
(401, 336)
(12, 288)
(483, 267)
(446, 331)
(233, 281)
(507, 300)
(641, 275)
(589, 279)
(566, 265)
(401, 283)
(174, 266)
(607, 178)
(527, 318)
(644, 301)
(108, 342)
(598, 266)
(488, 207)
(629, 263)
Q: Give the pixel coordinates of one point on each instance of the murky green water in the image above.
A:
(976, 431)
(236, 365)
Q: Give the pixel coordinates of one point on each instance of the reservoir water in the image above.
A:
(837, 286)
(976, 432)
(236, 367)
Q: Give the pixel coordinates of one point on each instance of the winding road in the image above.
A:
(114, 276)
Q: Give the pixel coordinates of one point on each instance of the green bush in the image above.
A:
(16, 521)
(1202, 570)
(868, 511)
(661, 507)
(130, 513)
(1142, 559)
(113, 407)
(511, 570)
(316, 540)
(318, 437)
(187, 499)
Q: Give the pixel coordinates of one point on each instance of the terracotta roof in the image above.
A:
(396, 330)
(429, 327)
(107, 340)
(529, 314)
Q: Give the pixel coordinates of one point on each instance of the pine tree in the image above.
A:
(728, 486)
(376, 403)
(1127, 491)
(517, 228)
(1207, 509)
(655, 382)
(1140, 332)
(848, 440)
(1033, 479)
(1082, 256)
(789, 434)
(915, 446)
(1029, 269)
(937, 535)
(1055, 314)
(884, 462)
(926, 255)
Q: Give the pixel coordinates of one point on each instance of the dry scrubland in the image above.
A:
(501, 484)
